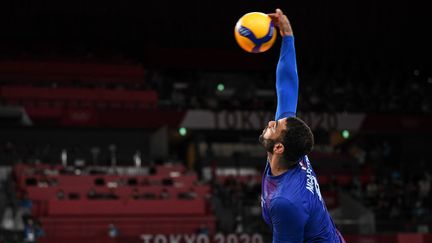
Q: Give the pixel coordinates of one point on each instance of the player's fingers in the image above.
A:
(275, 23)
(279, 12)
(274, 17)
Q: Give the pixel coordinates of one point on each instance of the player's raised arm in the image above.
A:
(286, 73)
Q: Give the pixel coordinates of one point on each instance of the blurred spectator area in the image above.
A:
(185, 81)
(80, 204)
(39, 84)
(33, 98)
(97, 94)
(61, 72)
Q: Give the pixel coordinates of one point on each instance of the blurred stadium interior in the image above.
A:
(139, 121)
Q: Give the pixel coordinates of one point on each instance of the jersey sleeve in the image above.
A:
(288, 221)
(286, 80)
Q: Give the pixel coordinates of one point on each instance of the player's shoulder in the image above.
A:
(295, 185)
(292, 187)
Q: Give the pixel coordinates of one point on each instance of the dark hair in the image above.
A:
(297, 139)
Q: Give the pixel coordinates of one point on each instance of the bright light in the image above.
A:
(220, 87)
(345, 134)
(182, 131)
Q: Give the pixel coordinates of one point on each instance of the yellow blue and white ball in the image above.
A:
(255, 32)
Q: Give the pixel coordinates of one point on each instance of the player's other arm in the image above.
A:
(288, 221)
(286, 72)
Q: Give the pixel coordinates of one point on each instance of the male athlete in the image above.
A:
(291, 200)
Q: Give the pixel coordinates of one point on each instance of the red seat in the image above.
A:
(124, 192)
(128, 226)
(125, 208)
(71, 95)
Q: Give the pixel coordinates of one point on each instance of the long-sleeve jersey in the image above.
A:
(291, 203)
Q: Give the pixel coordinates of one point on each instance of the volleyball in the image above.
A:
(255, 32)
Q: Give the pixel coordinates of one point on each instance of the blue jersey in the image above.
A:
(291, 203)
(293, 207)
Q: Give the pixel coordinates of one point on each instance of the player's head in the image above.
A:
(290, 137)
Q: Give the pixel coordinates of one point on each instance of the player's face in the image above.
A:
(274, 129)
(271, 133)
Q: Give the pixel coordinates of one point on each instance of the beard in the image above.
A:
(268, 144)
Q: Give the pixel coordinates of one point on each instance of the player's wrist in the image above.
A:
(288, 38)
(285, 27)
(287, 33)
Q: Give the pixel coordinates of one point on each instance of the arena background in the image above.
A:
(137, 121)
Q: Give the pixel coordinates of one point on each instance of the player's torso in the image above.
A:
(300, 186)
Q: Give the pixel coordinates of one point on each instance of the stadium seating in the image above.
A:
(58, 71)
(88, 217)
(128, 226)
(124, 192)
(66, 97)
(83, 207)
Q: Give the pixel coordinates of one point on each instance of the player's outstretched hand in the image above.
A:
(281, 21)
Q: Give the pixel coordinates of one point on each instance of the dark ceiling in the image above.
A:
(323, 28)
